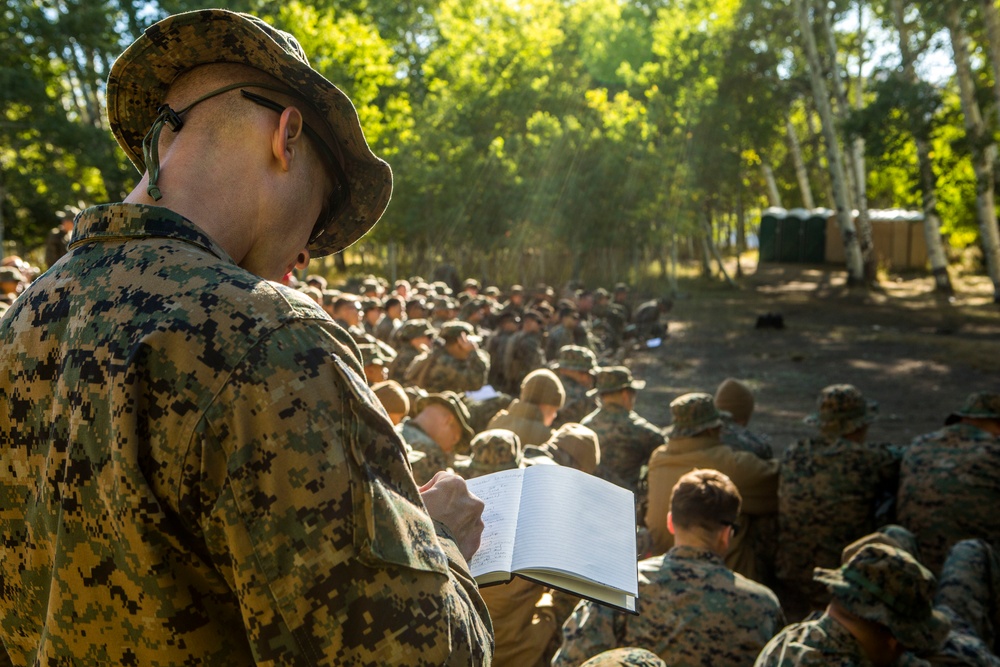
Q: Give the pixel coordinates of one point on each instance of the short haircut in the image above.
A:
(705, 499)
(343, 302)
(393, 301)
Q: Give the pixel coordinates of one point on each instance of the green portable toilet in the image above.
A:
(768, 235)
(814, 236)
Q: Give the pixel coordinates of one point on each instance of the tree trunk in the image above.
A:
(710, 247)
(855, 163)
(928, 182)
(983, 149)
(801, 173)
(773, 196)
(852, 249)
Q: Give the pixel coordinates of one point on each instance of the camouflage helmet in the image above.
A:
(980, 405)
(454, 328)
(888, 586)
(142, 75)
(415, 329)
(615, 378)
(450, 400)
(692, 414)
(841, 409)
(492, 451)
(576, 358)
(629, 656)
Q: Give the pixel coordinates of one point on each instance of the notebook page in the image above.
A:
(579, 525)
(501, 493)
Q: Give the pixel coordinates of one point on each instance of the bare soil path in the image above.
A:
(915, 353)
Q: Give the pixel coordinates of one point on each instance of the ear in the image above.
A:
(287, 139)
(670, 523)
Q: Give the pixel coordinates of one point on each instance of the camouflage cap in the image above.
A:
(888, 586)
(543, 387)
(516, 289)
(533, 315)
(576, 358)
(621, 287)
(471, 282)
(9, 274)
(392, 396)
(615, 378)
(626, 657)
(841, 409)
(370, 304)
(415, 329)
(454, 328)
(142, 75)
(980, 405)
(492, 451)
(372, 355)
(450, 400)
(692, 414)
(572, 445)
(602, 293)
(492, 291)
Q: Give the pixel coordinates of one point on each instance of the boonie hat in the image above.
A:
(693, 413)
(415, 329)
(888, 586)
(842, 409)
(734, 397)
(392, 396)
(615, 378)
(543, 387)
(629, 656)
(572, 445)
(576, 358)
(454, 328)
(450, 400)
(492, 451)
(980, 405)
(141, 76)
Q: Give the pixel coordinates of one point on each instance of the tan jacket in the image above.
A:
(523, 622)
(525, 419)
(756, 478)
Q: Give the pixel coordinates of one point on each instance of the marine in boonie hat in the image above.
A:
(416, 328)
(576, 358)
(980, 405)
(492, 451)
(692, 414)
(450, 400)
(886, 585)
(841, 409)
(454, 328)
(142, 75)
(572, 445)
(615, 378)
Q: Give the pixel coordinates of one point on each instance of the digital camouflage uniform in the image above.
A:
(580, 401)
(743, 439)
(436, 370)
(949, 487)
(627, 441)
(694, 611)
(822, 642)
(558, 337)
(827, 498)
(425, 456)
(195, 472)
(625, 657)
(522, 355)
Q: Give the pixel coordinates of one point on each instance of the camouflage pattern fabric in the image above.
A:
(821, 642)
(496, 348)
(386, 329)
(627, 441)
(970, 588)
(558, 336)
(434, 458)
(398, 366)
(625, 657)
(195, 472)
(578, 403)
(743, 439)
(524, 626)
(694, 611)
(437, 371)
(827, 498)
(522, 355)
(949, 489)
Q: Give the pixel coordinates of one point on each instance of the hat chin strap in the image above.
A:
(167, 116)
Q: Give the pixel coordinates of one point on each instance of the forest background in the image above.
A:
(545, 139)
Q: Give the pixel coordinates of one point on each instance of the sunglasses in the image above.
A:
(339, 198)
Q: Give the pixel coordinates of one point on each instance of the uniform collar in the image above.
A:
(694, 553)
(135, 221)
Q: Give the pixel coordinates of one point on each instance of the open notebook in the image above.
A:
(562, 528)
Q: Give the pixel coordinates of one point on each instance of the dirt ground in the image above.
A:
(917, 354)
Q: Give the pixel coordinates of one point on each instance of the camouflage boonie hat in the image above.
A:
(626, 657)
(693, 413)
(533, 315)
(415, 329)
(9, 274)
(492, 451)
(576, 358)
(572, 445)
(450, 400)
(980, 405)
(372, 355)
(888, 586)
(615, 378)
(841, 409)
(142, 75)
(370, 304)
(455, 328)
(392, 396)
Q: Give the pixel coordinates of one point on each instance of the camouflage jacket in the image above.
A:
(742, 439)
(432, 459)
(578, 404)
(694, 612)
(398, 366)
(196, 473)
(827, 497)
(627, 441)
(823, 642)
(522, 354)
(436, 371)
(948, 489)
